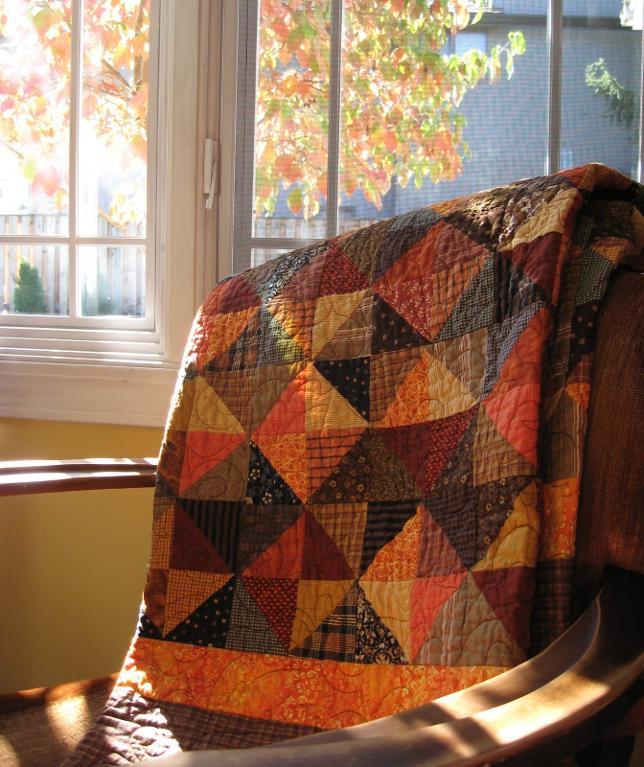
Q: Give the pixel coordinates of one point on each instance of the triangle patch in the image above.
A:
(207, 625)
(428, 595)
(365, 253)
(404, 232)
(316, 601)
(368, 470)
(305, 285)
(411, 403)
(249, 629)
(351, 336)
(327, 408)
(235, 388)
(384, 523)
(466, 359)
(231, 295)
(515, 414)
(437, 556)
(334, 638)
(515, 291)
(283, 558)
(398, 559)
(203, 451)
(325, 450)
(476, 308)
(390, 331)
(277, 600)
(494, 458)
(345, 525)
(340, 275)
(275, 346)
(147, 628)
(265, 486)
(221, 332)
(224, 482)
(296, 320)
(351, 379)
(425, 448)
(322, 559)
(288, 414)
(482, 639)
(219, 522)
(210, 413)
(375, 642)
(187, 589)
(191, 550)
(391, 601)
(517, 543)
(515, 350)
(287, 453)
(509, 593)
(333, 313)
(260, 526)
(388, 373)
(430, 392)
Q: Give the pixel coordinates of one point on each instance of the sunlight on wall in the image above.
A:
(72, 565)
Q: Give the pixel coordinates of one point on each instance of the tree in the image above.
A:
(29, 294)
(399, 103)
(35, 82)
(620, 101)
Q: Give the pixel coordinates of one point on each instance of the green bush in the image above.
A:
(29, 295)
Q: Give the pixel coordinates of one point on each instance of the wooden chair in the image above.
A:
(552, 705)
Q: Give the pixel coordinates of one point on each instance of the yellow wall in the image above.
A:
(72, 565)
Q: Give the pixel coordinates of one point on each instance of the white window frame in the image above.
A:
(243, 15)
(109, 373)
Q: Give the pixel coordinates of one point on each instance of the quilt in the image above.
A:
(368, 486)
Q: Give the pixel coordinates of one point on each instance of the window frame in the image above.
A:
(122, 376)
(74, 323)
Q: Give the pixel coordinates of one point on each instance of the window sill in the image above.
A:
(93, 393)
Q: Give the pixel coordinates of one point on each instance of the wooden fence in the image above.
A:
(112, 277)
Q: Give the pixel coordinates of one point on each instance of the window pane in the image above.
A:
(34, 279)
(35, 56)
(112, 281)
(429, 114)
(114, 121)
(600, 86)
(291, 119)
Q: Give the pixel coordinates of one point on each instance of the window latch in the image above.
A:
(210, 171)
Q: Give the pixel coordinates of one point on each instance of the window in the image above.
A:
(112, 240)
(350, 111)
(77, 186)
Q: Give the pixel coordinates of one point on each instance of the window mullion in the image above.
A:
(640, 158)
(555, 54)
(245, 150)
(335, 96)
(74, 135)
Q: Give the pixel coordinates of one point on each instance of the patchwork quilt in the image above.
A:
(368, 486)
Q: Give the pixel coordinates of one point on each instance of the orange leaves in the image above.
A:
(390, 139)
(48, 180)
(399, 97)
(287, 169)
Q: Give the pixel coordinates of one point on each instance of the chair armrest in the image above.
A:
(545, 702)
(27, 477)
